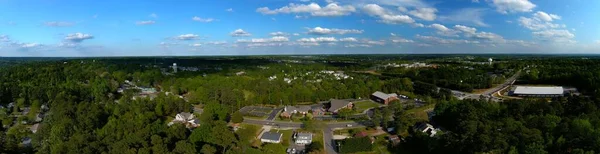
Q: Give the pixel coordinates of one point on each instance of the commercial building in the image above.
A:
(383, 98)
(529, 91)
(336, 105)
(271, 137)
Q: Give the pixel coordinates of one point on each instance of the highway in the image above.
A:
(506, 83)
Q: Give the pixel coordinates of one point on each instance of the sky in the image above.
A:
(86, 28)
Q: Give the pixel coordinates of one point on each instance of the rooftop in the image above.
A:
(538, 90)
(337, 104)
(271, 136)
(381, 95)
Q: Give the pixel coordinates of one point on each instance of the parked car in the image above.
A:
(349, 125)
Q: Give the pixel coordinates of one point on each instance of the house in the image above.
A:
(289, 110)
(271, 137)
(427, 129)
(34, 128)
(383, 98)
(364, 134)
(335, 105)
(394, 139)
(303, 138)
(186, 118)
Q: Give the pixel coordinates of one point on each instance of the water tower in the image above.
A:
(490, 60)
(174, 67)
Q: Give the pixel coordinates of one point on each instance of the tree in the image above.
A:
(237, 117)
(208, 149)
(184, 147)
(315, 146)
(377, 117)
(225, 137)
(345, 113)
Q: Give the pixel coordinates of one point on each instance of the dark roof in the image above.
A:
(337, 104)
(271, 136)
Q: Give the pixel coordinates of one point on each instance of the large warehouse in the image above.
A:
(528, 91)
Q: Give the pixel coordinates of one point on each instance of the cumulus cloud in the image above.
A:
(472, 33)
(58, 24)
(349, 39)
(318, 40)
(147, 22)
(296, 34)
(327, 31)
(216, 43)
(437, 40)
(4, 38)
(513, 6)
(545, 16)
(372, 42)
(314, 9)
(554, 35)
(386, 16)
(202, 19)
(392, 34)
(229, 10)
(443, 30)
(357, 45)
(264, 40)
(153, 15)
(187, 37)
(278, 34)
(465, 29)
(30, 45)
(402, 40)
(424, 13)
(468, 16)
(196, 45)
(78, 37)
(239, 33)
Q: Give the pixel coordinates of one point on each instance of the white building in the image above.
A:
(303, 138)
(528, 91)
(427, 129)
(186, 118)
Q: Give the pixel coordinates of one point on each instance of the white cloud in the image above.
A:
(78, 37)
(555, 35)
(296, 34)
(437, 40)
(4, 38)
(148, 22)
(327, 31)
(443, 30)
(392, 34)
(545, 16)
(537, 24)
(30, 45)
(153, 15)
(424, 13)
(216, 42)
(513, 6)
(264, 40)
(203, 19)
(465, 29)
(229, 10)
(597, 41)
(59, 24)
(278, 34)
(318, 40)
(314, 9)
(402, 9)
(239, 33)
(196, 45)
(187, 37)
(467, 16)
(386, 16)
(401, 40)
(371, 42)
(349, 39)
(357, 45)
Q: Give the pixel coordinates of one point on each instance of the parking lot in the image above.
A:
(256, 111)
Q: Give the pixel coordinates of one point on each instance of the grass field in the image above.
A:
(420, 112)
(361, 106)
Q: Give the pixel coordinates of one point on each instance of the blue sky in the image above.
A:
(258, 27)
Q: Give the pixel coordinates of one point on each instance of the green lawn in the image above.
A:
(256, 118)
(420, 112)
(285, 139)
(360, 107)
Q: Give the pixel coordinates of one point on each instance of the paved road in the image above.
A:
(329, 142)
(274, 114)
(506, 83)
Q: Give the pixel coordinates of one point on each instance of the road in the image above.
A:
(506, 83)
(327, 132)
(274, 114)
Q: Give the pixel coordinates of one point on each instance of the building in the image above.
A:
(271, 137)
(174, 67)
(34, 128)
(383, 98)
(394, 139)
(427, 129)
(528, 91)
(289, 110)
(336, 105)
(303, 138)
(186, 118)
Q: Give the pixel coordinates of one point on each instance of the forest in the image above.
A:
(86, 114)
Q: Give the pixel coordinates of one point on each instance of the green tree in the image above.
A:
(184, 147)
(208, 149)
(237, 117)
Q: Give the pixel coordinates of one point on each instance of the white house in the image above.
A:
(303, 138)
(271, 137)
(186, 118)
(427, 129)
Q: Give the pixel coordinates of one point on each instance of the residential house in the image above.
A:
(288, 111)
(271, 137)
(303, 138)
(394, 139)
(383, 98)
(34, 128)
(186, 118)
(426, 128)
(336, 105)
